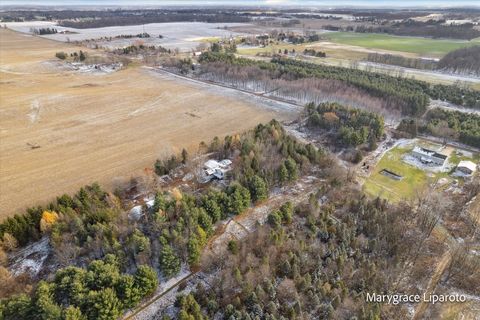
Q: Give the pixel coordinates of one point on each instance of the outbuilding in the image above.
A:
(429, 157)
(466, 167)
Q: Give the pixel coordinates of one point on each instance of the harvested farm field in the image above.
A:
(61, 129)
(182, 35)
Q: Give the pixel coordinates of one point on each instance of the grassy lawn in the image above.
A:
(272, 48)
(422, 46)
(414, 179)
(336, 53)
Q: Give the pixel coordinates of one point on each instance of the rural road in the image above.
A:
(451, 107)
(432, 285)
(417, 72)
(434, 76)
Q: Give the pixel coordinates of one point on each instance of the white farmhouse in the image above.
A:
(213, 169)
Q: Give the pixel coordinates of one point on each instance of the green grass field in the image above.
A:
(421, 46)
(414, 180)
(338, 53)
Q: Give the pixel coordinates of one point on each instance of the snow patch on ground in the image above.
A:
(34, 114)
(30, 259)
(183, 35)
(93, 68)
(166, 299)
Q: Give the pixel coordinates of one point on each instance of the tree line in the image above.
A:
(408, 96)
(404, 95)
(401, 61)
(242, 73)
(409, 27)
(449, 125)
(139, 35)
(42, 31)
(460, 61)
(314, 53)
(138, 17)
(464, 127)
(463, 61)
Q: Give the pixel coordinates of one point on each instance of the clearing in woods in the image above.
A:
(60, 130)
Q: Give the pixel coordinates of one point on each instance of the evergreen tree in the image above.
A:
(73, 313)
(146, 280)
(17, 307)
(184, 156)
(193, 250)
(127, 291)
(44, 303)
(239, 198)
(169, 261)
(258, 188)
(282, 173)
(82, 56)
(292, 169)
(103, 305)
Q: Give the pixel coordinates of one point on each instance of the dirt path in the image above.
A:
(432, 285)
(163, 293)
(236, 228)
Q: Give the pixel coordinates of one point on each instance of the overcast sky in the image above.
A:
(310, 3)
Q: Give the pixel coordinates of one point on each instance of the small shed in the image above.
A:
(467, 167)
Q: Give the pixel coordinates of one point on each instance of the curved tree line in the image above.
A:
(408, 96)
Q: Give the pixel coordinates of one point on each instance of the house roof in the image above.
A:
(225, 162)
(429, 152)
(467, 164)
(211, 164)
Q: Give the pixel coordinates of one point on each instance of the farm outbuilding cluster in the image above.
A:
(429, 157)
(213, 169)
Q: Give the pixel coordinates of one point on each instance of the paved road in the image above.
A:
(418, 72)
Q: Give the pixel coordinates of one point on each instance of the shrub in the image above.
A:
(61, 55)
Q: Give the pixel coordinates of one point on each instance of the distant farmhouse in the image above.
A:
(429, 157)
(467, 167)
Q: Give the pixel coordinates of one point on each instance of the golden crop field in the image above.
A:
(90, 127)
